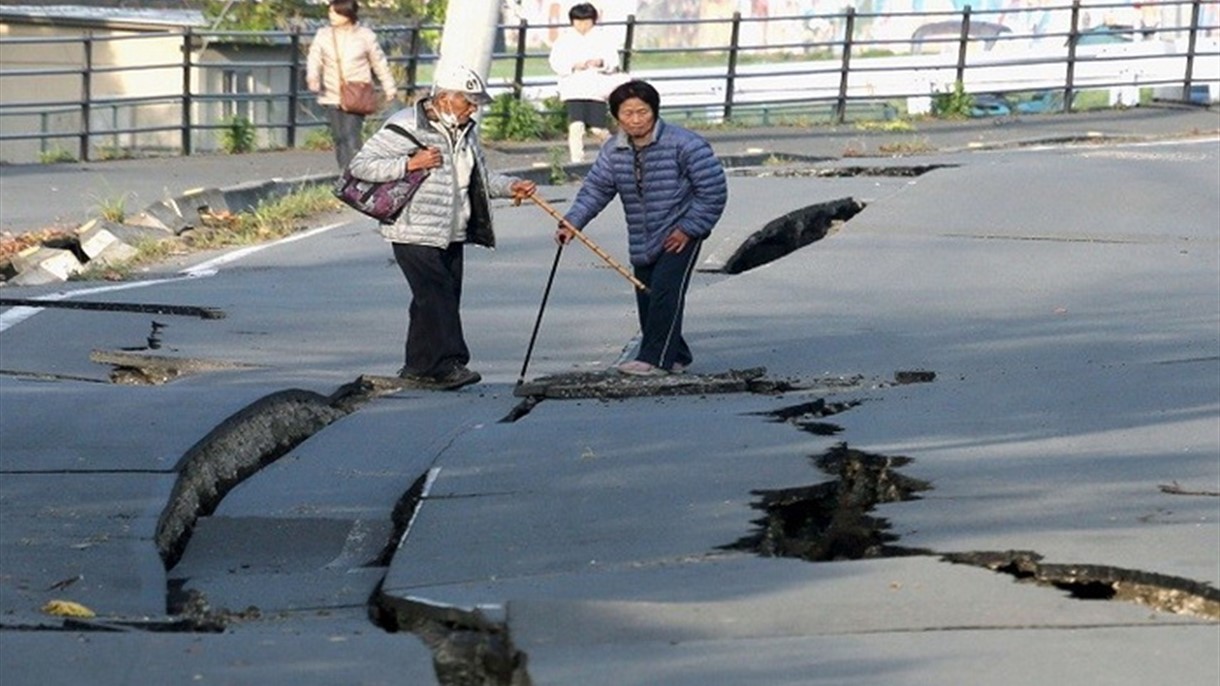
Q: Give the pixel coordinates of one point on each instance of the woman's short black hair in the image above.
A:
(583, 10)
(346, 8)
(635, 89)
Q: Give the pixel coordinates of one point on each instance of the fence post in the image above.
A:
(413, 48)
(187, 101)
(294, 80)
(849, 30)
(44, 127)
(86, 96)
(628, 42)
(963, 45)
(519, 61)
(730, 82)
(1070, 77)
(1191, 44)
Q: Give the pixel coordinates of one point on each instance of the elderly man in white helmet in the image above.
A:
(450, 209)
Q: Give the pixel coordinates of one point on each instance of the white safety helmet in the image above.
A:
(460, 79)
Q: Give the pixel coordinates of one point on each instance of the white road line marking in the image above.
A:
(16, 315)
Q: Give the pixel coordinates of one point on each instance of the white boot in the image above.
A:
(576, 142)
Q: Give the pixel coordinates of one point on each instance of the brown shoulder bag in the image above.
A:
(355, 97)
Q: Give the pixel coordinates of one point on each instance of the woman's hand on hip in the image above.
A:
(676, 241)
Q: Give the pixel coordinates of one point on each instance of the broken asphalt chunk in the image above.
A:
(612, 384)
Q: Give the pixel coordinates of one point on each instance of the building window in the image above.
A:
(239, 83)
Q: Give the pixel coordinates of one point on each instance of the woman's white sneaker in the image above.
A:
(640, 368)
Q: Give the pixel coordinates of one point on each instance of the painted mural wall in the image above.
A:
(783, 23)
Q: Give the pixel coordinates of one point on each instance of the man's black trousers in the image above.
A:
(435, 343)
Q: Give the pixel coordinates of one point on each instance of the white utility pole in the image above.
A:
(469, 34)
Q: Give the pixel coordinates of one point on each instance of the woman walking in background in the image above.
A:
(586, 60)
(345, 52)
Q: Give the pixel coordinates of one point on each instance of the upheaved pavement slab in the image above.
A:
(81, 500)
(741, 620)
(49, 430)
(92, 546)
(784, 196)
(560, 490)
(318, 526)
(316, 648)
(1004, 657)
(1060, 407)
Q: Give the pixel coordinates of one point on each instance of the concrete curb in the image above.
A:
(104, 243)
(39, 265)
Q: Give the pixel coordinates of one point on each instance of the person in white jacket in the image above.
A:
(586, 60)
(345, 51)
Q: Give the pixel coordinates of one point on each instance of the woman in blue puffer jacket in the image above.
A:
(673, 192)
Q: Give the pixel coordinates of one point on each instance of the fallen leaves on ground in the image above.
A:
(67, 608)
(11, 244)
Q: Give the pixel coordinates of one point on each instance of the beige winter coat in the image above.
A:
(360, 54)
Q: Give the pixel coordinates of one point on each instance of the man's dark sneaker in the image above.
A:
(412, 377)
(423, 383)
(457, 377)
(453, 379)
(420, 381)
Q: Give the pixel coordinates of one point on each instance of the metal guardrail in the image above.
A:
(838, 66)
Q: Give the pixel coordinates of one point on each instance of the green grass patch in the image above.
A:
(890, 126)
(914, 146)
(108, 153)
(112, 208)
(319, 139)
(954, 104)
(237, 136)
(509, 119)
(270, 220)
(56, 155)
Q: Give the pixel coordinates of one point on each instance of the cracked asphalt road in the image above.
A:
(1064, 297)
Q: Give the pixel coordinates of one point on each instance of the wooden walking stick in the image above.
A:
(589, 243)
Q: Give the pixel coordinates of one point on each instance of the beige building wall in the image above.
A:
(136, 84)
(52, 98)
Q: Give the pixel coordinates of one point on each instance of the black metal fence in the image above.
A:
(183, 92)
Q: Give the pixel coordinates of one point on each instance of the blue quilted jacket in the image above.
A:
(682, 186)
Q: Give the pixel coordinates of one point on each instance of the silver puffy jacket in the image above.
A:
(429, 218)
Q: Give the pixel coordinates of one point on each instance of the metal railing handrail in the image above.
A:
(834, 60)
